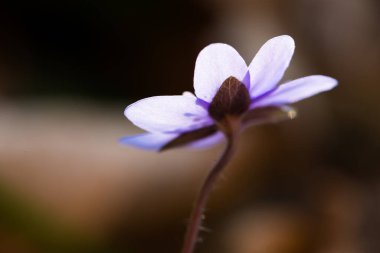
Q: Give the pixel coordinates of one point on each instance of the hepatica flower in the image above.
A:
(229, 95)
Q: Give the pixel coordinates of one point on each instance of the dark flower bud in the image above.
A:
(232, 99)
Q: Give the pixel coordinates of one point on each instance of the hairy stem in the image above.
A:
(193, 228)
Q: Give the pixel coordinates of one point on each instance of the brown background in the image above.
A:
(69, 68)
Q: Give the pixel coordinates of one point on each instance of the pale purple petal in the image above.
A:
(269, 65)
(167, 114)
(268, 114)
(207, 142)
(297, 90)
(215, 63)
(149, 141)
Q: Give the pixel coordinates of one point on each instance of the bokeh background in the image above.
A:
(69, 68)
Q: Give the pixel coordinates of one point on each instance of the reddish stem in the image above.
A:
(197, 213)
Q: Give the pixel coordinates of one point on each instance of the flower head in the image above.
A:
(229, 95)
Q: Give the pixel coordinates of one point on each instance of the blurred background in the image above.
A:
(69, 68)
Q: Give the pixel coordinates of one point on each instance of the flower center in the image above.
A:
(232, 99)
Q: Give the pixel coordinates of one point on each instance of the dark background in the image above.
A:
(69, 68)
(101, 49)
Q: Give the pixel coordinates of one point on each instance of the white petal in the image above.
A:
(167, 114)
(297, 90)
(269, 65)
(148, 141)
(215, 63)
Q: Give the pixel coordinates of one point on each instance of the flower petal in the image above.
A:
(190, 136)
(269, 64)
(207, 142)
(149, 141)
(215, 63)
(167, 114)
(268, 114)
(297, 90)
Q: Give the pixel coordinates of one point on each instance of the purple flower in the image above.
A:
(225, 88)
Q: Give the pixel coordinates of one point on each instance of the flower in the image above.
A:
(225, 88)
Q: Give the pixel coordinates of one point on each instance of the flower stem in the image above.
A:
(197, 216)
